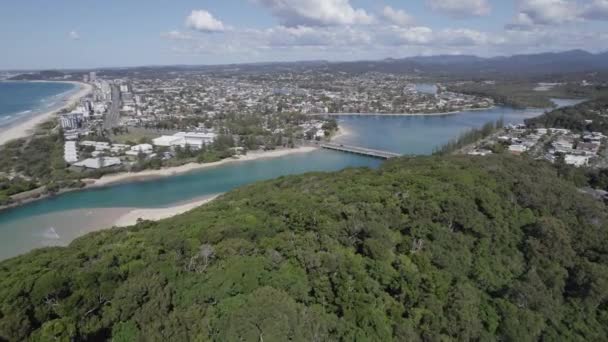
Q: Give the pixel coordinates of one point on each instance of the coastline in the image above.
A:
(128, 177)
(157, 214)
(342, 132)
(125, 177)
(24, 128)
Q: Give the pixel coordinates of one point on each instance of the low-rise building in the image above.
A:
(197, 140)
(70, 152)
(169, 141)
(98, 163)
(140, 149)
(193, 140)
(577, 161)
(98, 145)
(517, 149)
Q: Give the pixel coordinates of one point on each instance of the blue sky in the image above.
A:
(88, 34)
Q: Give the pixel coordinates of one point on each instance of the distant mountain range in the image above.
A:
(574, 61)
(531, 65)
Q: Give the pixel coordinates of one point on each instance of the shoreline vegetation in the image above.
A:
(470, 137)
(146, 175)
(127, 177)
(409, 114)
(527, 95)
(132, 215)
(25, 128)
(154, 214)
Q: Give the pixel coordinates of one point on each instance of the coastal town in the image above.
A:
(129, 120)
(127, 123)
(304, 170)
(586, 149)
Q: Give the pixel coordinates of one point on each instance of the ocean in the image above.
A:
(22, 100)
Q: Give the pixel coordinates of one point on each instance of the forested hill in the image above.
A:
(429, 248)
(590, 115)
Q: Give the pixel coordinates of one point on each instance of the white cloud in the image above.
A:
(465, 37)
(397, 17)
(544, 12)
(204, 21)
(74, 35)
(461, 8)
(316, 12)
(333, 29)
(418, 35)
(302, 36)
(426, 36)
(282, 43)
(176, 35)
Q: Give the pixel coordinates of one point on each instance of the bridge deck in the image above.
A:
(361, 150)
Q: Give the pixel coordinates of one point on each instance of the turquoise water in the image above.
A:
(32, 225)
(164, 192)
(20, 100)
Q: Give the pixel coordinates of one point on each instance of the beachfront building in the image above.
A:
(193, 140)
(141, 148)
(168, 141)
(197, 140)
(98, 163)
(98, 145)
(119, 148)
(70, 152)
(72, 120)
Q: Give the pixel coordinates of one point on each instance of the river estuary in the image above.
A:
(58, 220)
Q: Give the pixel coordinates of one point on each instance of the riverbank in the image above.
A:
(407, 114)
(343, 132)
(157, 214)
(124, 177)
(25, 128)
(127, 177)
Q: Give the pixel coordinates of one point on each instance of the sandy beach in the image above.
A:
(173, 171)
(156, 214)
(25, 128)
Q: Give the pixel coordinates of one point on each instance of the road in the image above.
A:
(113, 114)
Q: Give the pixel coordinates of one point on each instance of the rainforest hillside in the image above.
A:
(423, 249)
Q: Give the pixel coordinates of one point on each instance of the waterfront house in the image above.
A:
(98, 163)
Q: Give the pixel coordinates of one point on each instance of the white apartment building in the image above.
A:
(70, 152)
(192, 139)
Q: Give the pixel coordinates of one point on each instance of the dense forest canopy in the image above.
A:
(426, 248)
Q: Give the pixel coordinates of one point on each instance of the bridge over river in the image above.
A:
(361, 151)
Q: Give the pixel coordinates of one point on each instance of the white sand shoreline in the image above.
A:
(25, 128)
(125, 177)
(156, 214)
